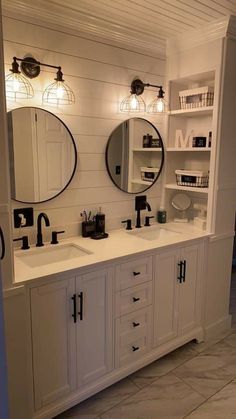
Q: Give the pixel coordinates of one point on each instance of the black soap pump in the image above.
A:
(100, 221)
(99, 226)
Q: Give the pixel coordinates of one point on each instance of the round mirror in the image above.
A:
(43, 155)
(181, 202)
(134, 155)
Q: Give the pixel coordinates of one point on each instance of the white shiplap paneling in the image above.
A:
(100, 75)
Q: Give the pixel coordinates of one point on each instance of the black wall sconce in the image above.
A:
(18, 87)
(135, 103)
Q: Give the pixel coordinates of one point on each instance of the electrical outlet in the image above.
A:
(23, 217)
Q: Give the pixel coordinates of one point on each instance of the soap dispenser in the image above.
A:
(100, 221)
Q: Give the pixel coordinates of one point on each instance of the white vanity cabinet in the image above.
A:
(177, 292)
(71, 334)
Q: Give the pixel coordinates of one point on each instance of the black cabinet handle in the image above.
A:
(74, 315)
(184, 270)
(81, 298)
(135, 324)
(135, 299)
(136, 273)
(2, 244)
(180, 276)
(135, 348)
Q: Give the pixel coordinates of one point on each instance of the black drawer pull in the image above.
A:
(74, 315)
(136, 273)
(135, 348)
(135, 299)
(136, 324)
(81, 298)
(184, 270)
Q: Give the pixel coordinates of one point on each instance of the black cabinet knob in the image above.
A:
(135, 324)
(135, 348)
(135, 299)
(136, 273)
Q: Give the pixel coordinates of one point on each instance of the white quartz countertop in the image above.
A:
(120, 243)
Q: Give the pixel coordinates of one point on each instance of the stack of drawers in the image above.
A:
(133, 310)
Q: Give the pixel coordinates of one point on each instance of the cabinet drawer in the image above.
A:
(133, 273)
(133, 325)
(131, 348)
(133, 299)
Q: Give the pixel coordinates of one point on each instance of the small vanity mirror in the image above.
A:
(134, 155)
(181, 202)
(43, 155)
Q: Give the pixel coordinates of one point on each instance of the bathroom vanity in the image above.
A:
(99, 316)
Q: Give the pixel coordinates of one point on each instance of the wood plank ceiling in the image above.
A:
(149, 21)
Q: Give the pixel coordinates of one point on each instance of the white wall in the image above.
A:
(100, 76)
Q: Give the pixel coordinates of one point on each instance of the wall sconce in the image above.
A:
(135, 103)
(56, 93)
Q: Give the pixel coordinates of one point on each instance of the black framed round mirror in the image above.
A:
(43, 155)
(135, 155)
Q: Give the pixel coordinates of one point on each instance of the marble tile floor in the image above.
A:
(196, 381)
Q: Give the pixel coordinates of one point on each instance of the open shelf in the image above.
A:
(192, 149)
(141, 182)
(186, 188)
(148, 149)
(207, 110)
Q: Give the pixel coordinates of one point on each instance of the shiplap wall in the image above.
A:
(100, 75)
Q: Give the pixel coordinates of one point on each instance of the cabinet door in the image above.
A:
(189, 307)
(54, 341)
(166, 297)
(94, 327)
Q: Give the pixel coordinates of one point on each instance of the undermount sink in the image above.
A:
(154, 233)
(35, 258)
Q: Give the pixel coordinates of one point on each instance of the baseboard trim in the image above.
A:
(214, 329)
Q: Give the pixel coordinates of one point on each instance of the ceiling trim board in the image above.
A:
(211, 32)
(105, 32)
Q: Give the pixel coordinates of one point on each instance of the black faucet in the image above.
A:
(41, 216)
(141, 204)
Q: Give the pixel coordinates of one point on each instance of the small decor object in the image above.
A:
(148, 173)
(156, 143)
(147, 140)
(209, 138)
(181, 202)
(196, 98)
(181, 141)
(194, 178)
(88, 228)
(161, 216)
(199, 141)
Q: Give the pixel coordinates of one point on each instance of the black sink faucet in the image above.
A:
(141, 204)
(41, 216)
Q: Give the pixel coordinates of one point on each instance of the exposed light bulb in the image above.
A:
(160, 105)
(134, 103)
(15, 83)
(60, 91)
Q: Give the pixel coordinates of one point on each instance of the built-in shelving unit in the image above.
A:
(148, 149)
(183, 125)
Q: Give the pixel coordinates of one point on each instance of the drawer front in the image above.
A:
(132, 348)
(133, 273)
(133, 299)
(134, 325)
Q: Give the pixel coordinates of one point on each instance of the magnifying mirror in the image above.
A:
(181, 203)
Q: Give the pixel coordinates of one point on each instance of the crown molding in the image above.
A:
(215, 30)
(78, 23)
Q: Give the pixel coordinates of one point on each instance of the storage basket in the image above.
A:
(148, 174)
(196, 98)
(193, 178)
